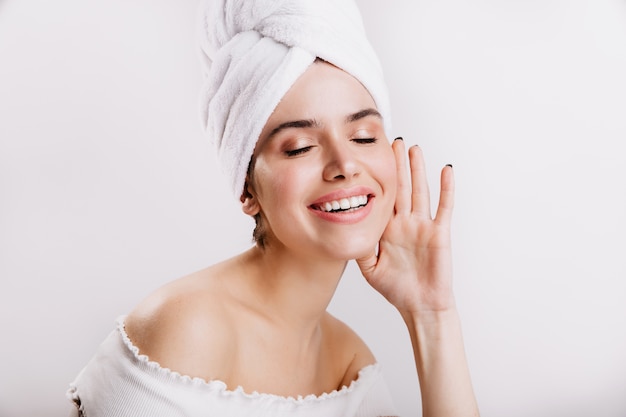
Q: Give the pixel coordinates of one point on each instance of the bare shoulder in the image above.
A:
(353, 353)
(184, 326)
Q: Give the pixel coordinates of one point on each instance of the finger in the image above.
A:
(420, 195)
(446, 196)
(403, 192)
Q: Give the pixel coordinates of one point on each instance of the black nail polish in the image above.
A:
(449, 165)
(398, 138)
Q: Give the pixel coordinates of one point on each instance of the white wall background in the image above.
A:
(108, 188)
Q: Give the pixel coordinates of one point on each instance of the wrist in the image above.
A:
(438, 313)
(426, 320)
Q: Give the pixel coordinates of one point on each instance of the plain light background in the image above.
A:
(108, 188)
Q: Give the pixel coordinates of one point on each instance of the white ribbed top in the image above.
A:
(119, 382)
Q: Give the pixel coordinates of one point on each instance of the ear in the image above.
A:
(249, 202)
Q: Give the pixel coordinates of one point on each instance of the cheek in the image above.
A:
(386, 168)
(279, 184)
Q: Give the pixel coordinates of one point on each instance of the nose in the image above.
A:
(341, 162)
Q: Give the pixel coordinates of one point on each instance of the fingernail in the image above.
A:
(449, 165)
(398, 138)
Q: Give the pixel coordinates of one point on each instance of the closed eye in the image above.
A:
(365, 140)
(299, 151)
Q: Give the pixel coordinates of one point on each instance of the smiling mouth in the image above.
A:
(343, 204)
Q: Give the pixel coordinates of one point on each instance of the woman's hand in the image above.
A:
(413, 268)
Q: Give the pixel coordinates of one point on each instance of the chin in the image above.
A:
(353, 249)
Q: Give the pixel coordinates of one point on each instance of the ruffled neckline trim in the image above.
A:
(366, 374)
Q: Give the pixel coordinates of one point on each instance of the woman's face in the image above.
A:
(324, 177)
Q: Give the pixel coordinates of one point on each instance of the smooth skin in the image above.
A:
(413, 271)
(259, 320)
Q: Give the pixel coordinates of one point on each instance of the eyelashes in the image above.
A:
(365, 140)
(299, 151)
(305, 149)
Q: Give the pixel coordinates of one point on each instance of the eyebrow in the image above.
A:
(362, 114)
(299, 124)
(309, 123)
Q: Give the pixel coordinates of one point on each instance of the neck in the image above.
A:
(291, 291)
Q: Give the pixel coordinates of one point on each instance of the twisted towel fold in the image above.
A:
(254, 51)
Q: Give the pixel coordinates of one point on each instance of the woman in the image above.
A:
(251, 335)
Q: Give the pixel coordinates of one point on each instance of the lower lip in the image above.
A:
(346, 217)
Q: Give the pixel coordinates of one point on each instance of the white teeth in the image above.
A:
(344, 203)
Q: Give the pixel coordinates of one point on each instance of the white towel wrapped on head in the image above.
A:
(255, 50)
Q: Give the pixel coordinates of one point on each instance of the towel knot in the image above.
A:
(254, 51)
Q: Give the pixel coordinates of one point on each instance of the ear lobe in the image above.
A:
(249, 203)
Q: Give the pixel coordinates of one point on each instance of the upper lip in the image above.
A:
(343, 193)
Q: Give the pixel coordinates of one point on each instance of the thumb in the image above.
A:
(367, 264)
